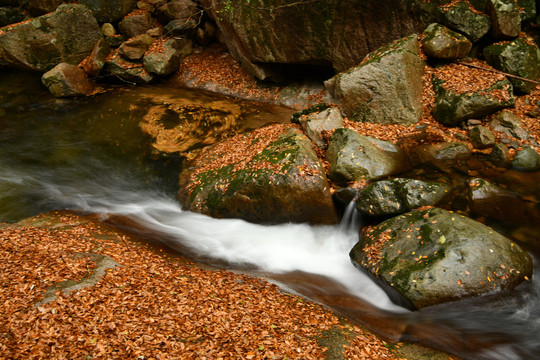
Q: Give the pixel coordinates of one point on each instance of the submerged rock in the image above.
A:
(440, 42)
(434, 256)
(460, 16)
(48, 40)
(66, 80)
(270, 175)
(386, 87)
(399, 195)
(353, 157)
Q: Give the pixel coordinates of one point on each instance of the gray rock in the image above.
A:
(460, 16)
(385, 88)
(94, 62)
(317, 125)
(399, 195)
(134, 48)
(353, 157)
(285, 182)
(434, 256)
(51, 39)
(451, 107)
(66, 80)
(481, 137)
(505, 18)
(136, 23)
(509, 124)
(109, 10)
(127, 70)
(500, 155)
(440, 42)
(519, 57)
(166, 59)
(526, 159)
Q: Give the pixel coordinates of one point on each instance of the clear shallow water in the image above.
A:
(90, 155)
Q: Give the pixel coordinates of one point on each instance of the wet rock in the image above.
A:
(439, 42)
(93, 64)
(385, 88)
(509, 124)
(127, 70)
(399, 195)
(10, 15)
(165, 59)
(481, 137)
(526, 159)
(109, 10)
(136, 23)
(284, 182)
(488, 199)
(505, 18)
(460, 16)
(318, 125)
(452, 107)
(179, 9)
(40, 7)
(435, 256)
(500, 155)
(353, 157)
(441, 155)
(134, 48)
(51, 39)
(66, 80)
(519, 57)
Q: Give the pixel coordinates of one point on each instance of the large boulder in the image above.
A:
(109, 10)
(355, 157)
(50, 39)
(396, 196)
(270, 175)
(462, 17)
(386, 88)
(262, 33)
(434, 256)
(65, 80)
(520, 57)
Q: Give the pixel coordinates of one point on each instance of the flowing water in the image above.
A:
(90, 155)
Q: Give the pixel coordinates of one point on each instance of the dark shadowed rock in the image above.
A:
(386, 87)
(505, 18)
(134, 48)
(109, 10)
(519, 57)
(136, 23)
(460, 16)
(396, 196)
(40, 7)
(127, 70)
(51, 39)
(94, 62)
(434, 256)
(481, 137)
(66, 80)
(281, 182)
(452, 107)
(10, 15)
(440, 42)
(178, 9)
(166, 58)
(353, 157)
(181, 27)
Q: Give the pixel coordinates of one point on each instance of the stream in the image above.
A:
(90, 155)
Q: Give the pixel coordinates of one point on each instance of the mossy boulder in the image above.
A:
(353, 157)
(66, 35)
(399, 195)
(453, 107)
(462, 17)
(270, 175)
(386, 87)
(429, 257)
(440, 42)
(520, 57)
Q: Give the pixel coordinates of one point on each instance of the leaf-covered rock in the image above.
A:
(462, 17)
(353, 157)
(399, 195)
(386, 88)
(440, 42)
(520, 57)
(270, 175)
(434, 256)
(509, 124)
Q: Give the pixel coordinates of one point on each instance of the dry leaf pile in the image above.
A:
(149, 307)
